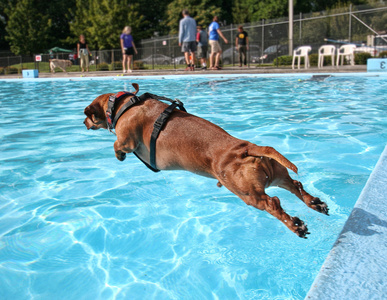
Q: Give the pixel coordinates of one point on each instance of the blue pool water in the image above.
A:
(75, 223)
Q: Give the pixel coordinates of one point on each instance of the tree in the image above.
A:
(102, 21)
(154, 13)
(28, 30)
(245, 11)
(33, 26)
(202, 11)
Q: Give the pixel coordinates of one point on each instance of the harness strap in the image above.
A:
(159, 123)
(113, 117)
(134, 100)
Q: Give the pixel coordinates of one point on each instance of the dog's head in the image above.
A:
(96, 111)
(69, 63)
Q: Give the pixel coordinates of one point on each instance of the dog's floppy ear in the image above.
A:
(135, 85)
(95, 113)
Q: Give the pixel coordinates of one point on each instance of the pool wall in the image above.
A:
(356, 266)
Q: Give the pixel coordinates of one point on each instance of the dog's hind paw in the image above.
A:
(302, 230)
(319, 206)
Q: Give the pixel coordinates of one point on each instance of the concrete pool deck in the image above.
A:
(356, 266)
(228, 70)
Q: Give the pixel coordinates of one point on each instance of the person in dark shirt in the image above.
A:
(201, 39)
(83, 53)
(242, 44)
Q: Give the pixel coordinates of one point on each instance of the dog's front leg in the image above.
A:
(118, 149)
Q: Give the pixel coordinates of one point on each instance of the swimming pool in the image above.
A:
(75, 223)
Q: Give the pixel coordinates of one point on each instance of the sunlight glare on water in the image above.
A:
(76, 223)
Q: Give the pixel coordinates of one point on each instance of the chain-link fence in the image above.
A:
(269, 39)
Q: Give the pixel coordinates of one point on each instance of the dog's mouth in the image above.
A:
(90, 124)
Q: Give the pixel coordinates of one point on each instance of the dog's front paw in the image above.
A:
(319, 206)
(301, 229)
(121, 156)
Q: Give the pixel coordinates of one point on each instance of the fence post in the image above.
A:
(113, 66)
(290, 27)
(232, 46)
(300, 38)
(349, 25)
(263, 38)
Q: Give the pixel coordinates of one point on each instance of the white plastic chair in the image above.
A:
(301, 52)
(346, 50)
(326, 50)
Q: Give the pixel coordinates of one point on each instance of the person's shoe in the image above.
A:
(188, 68)
(204, 68)
(192, 67)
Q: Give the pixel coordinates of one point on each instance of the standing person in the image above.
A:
(128, 48)
(83, 53)
(187, 38)
(201, 39)
(242, 45)
(214, 33)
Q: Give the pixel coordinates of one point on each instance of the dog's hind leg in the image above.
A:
(273, 206)
(248, 182)
(283, 180)
(297, 189)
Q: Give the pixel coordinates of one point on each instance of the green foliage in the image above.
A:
(103, 67)
(361, 58)
(313, 59)
(27, 28)
(252, 11)
(33, 26)
(202, 11)
(138, 65)
(102, 22)
(10, 70)
(382, 54)
(117, 65)
(285, 60)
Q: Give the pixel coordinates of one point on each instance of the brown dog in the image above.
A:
(60, 63)
(190, 143)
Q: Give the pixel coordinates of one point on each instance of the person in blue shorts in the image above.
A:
(214, 33)
(187, 38)
(128, 48)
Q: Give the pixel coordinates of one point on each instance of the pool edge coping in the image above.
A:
(208, 75)
(354, 268)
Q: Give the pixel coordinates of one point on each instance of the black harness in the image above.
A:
(112, 118)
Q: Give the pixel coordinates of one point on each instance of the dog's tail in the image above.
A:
(270, 152)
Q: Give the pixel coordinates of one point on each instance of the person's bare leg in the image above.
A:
(212, 60)
(217, 57)
(130, 57)
(124, 64)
